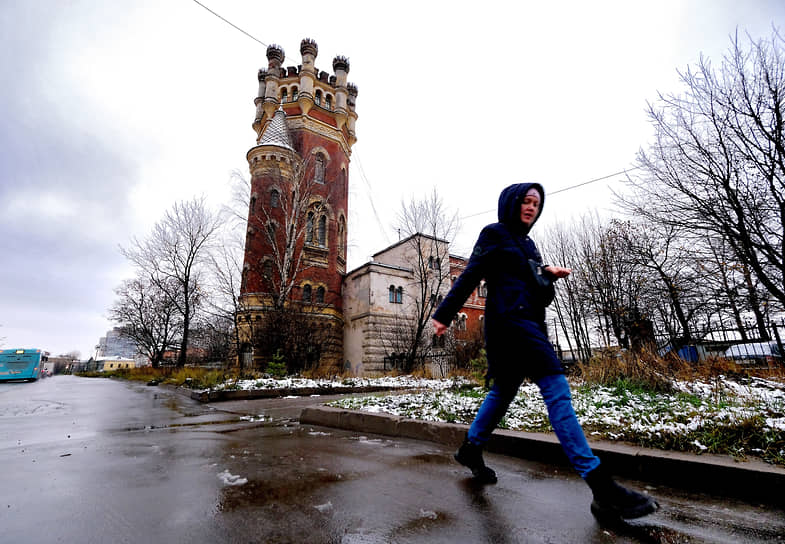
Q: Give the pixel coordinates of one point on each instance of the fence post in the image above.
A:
(779, 341)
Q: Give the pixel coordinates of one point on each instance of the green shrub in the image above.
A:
(277, 367)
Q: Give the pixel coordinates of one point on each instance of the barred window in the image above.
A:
(322, 233)
(309, 228)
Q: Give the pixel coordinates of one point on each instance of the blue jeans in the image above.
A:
(556, 393)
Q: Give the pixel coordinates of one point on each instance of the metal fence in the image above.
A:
(746, 346)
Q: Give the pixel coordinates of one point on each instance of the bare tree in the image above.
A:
(225, 266)
(428, 227)
(147, 315)
(662, 252)
(717, 165)
(571, 305)
(172, 257)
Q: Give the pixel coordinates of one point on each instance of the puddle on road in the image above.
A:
(434, 458)
(428, 520)
(293, 490)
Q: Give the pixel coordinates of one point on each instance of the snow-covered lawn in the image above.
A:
(400, 382)
(722, 416)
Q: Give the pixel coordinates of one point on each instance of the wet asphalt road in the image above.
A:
(105, 461)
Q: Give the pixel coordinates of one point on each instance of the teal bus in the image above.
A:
(22, 364)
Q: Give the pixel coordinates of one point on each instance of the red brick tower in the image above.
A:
(295, 251)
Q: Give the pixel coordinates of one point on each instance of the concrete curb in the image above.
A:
(247, 394)
(751, 480)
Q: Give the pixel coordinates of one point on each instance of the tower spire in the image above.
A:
(276, 132)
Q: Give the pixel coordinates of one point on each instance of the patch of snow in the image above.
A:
(231, 479)
(428, 514)
(324, 507)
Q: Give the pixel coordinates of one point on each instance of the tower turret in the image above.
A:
(341, 69)
(259, 102)
(352, 90)
(275, 56)
(308, 75)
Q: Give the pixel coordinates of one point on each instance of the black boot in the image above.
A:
(612, 500)
(470, 456)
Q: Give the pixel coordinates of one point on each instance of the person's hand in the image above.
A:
(558, 271)
(438, 328)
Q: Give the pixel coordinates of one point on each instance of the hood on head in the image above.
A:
(510, 205)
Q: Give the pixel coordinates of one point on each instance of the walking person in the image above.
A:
(520, 287)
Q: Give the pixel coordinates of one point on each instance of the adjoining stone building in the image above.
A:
(383, 297)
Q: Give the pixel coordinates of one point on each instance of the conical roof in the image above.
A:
(276, 132)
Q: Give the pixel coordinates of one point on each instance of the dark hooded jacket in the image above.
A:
(519, 290)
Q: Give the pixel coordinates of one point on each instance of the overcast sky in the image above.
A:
(112, 111)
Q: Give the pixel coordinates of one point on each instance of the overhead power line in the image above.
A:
(230, 23)
(362, 174)
(370, 196)
(551, 193)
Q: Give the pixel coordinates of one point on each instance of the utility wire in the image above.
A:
(230, 23)
(370, 196)
(565, 188)
(362, 173)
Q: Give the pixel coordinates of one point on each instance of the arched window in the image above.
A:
(318, 98)
(267, 269)
(460, 323)
(322, 232)
(328, 102)
(392, 293)
(320, 295)
(399, 295)
(309, 228)
(341, 236)
(318, 171)
(253, 204)
(275, 198)
(482, 290)
(283, 95)
(294, 94)
(306, 293)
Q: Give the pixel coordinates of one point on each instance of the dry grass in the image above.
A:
(656, 373)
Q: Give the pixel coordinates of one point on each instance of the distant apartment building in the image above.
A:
(116, 344)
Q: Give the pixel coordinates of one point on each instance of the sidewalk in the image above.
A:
(750, 480)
